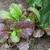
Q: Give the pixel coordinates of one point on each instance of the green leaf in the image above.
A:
(15, 11)
(14, 38)
(48, 48)
(5, 15)
(36, 12)
(18, 31)
(34, 3)
(44, 25)
(30, 2)
(13, 33)
(44, 11)
(37, 3)
(45, 14)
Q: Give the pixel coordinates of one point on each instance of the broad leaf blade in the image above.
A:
(34, 3)
(5, 15)
(14, 38)
(36, 12)
(45, 13)
(15, 11)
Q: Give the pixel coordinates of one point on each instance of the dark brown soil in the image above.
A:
(36, 44)
(40, 44)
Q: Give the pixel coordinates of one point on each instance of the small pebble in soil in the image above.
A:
(4, 47)
(48, 32)
(38, 33)
(23, 46)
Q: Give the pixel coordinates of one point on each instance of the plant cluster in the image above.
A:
(18, 23)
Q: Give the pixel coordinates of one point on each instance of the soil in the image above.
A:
(36, 44)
